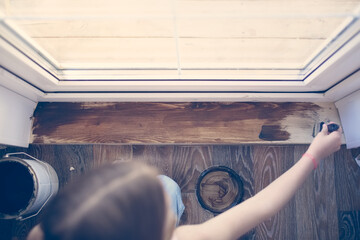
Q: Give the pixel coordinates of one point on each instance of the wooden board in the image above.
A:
(325, 207)
(316, 200)
(178, 123)
(269, 163)
(348, 186)
(214, 34)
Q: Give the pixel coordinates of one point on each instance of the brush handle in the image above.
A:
(331, 127)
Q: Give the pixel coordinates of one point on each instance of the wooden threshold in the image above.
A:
(179, 123)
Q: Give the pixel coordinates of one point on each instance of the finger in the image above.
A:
(324, 129)
(340, 129)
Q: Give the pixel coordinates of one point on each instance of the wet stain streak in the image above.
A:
(273, 133)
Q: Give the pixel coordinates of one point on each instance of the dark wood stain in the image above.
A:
(273, 133)
(325, 207)
(186, 123)
(218, 191)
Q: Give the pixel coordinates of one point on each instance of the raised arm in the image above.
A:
(240, 219)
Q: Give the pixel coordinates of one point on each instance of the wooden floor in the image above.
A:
(326, 207)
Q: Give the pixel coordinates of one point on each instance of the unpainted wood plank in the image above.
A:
(178, 123)
(101, 28)
(163, 8)
(246, 53)
(347, 180)
(256, 28)
(187, 28)
(152, 52)
(89, 9)
(269, 163)
(316, 206)
(244, 9)
(125, 52)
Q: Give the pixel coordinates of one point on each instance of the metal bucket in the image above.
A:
(26, 185)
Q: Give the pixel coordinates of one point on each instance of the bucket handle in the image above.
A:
(33, 158)
(21, 153)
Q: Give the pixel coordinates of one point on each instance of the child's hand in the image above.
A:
(325, 143)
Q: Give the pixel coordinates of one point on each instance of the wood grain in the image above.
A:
(316, 206)
(178, 123)
(349, 225)
(194, 213)
(325, 207)
(104, 154)
(241, 159)
(209, 34)
(269, 163)
(189, 163)
(238, 158)
(159, 157)
(69, 161)
(347, 181)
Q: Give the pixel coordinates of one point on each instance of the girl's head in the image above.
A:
(117, 201)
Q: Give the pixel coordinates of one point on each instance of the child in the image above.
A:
(128, 201)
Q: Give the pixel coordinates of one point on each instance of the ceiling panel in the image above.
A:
(194, 36)
(254, 53)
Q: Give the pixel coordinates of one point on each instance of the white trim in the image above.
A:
(184, 97)
(346, 87)
(15, 122)
(314, 59)
(15, 84)
(29, 51)
(16, 62)
(348, 108)
(340, 65)
(181, 86)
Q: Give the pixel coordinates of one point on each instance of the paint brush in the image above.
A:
(331, 127)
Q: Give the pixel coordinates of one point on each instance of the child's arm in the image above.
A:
(245, 216)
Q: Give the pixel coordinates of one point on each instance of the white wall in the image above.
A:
(349, 111)
(15, 118)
